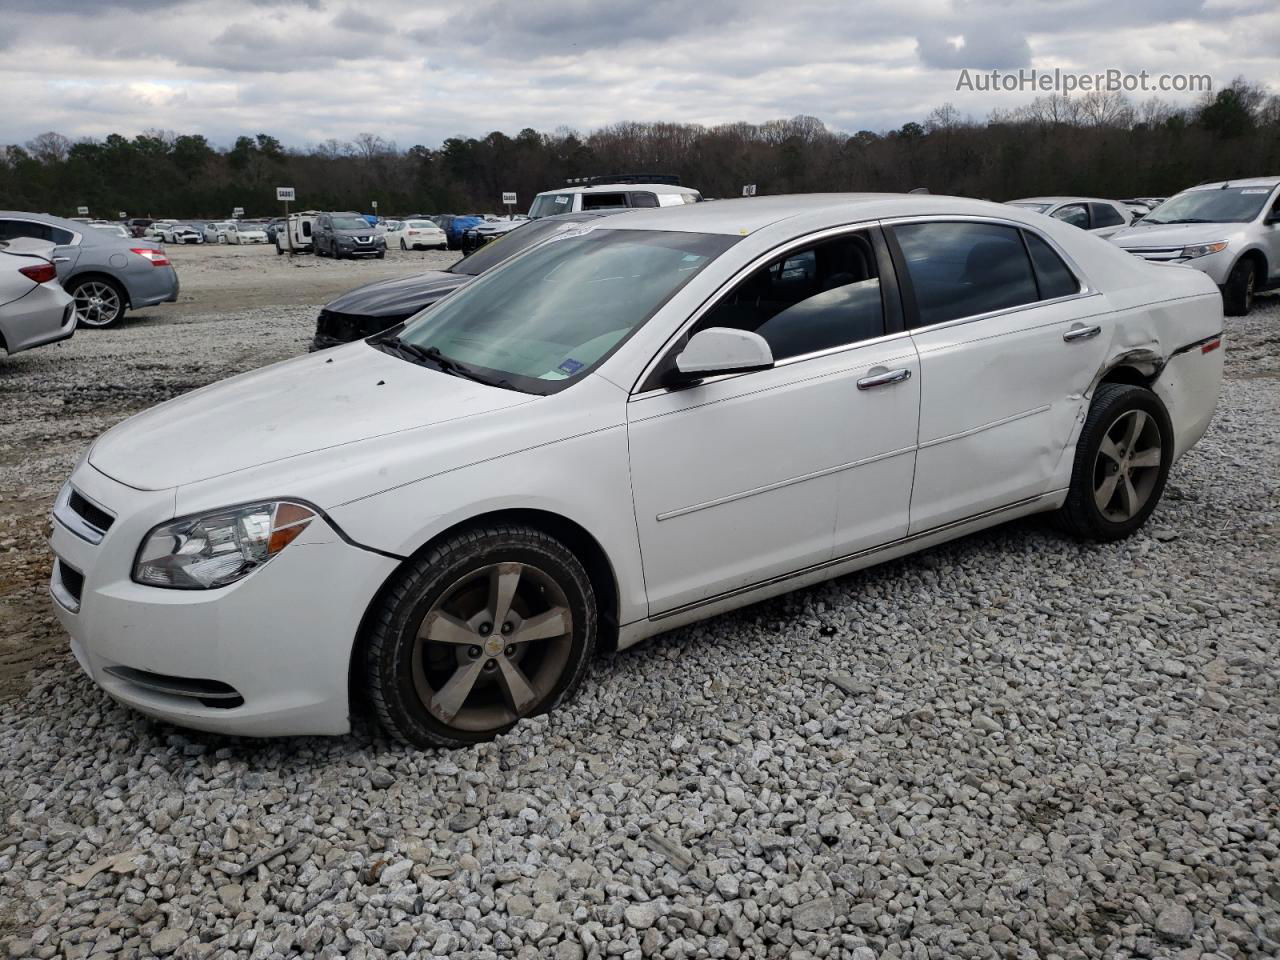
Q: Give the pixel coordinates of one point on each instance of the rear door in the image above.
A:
(1010, 339)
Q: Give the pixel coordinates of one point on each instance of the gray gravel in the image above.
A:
(1010, 746)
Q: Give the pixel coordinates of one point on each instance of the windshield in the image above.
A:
(1230, 205)
(549, 204)
(350, 223)
(1037, 207)
(507, 245)
(554, 313)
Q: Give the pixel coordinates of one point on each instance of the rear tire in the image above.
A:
(444, 662)
(1122, 461)
(99, 302)
(1237, 293)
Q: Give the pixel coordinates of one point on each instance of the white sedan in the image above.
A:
(1102, 218)
(216, 231)
(647, 421)
(246, 233)
(416, 235)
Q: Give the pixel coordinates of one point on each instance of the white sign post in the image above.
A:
(123, 215)
(286, 194)
(749, 190)
(237, 212)
(509, 199)
(82, 211)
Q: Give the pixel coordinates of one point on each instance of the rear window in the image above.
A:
(603, 201)
(960, 269)
(1054, 277)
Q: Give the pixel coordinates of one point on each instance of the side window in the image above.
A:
(306, 228)
(602, 201)
(1105, 215)
(965, 269)
(12, 229)
(825, 296)
(60, 236)
(1074, 214)
(643, 198)
(1054, 277)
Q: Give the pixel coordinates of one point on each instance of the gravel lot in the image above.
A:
(1010, 746)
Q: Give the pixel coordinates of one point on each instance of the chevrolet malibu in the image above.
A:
(644, 422)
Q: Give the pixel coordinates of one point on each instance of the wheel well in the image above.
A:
(1124, 373)
(584, 546)
(1260, 259)
(108, 278)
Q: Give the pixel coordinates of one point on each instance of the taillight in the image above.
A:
(157, 257)
(40, 273)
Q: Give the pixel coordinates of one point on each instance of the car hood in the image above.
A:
(317, 402)
(398, 296)
(1172, 235)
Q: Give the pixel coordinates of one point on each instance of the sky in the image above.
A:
(418, 71)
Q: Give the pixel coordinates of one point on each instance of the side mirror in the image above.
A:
(720, 350)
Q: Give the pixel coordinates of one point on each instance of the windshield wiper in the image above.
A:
(431, 356)
(1183, 220)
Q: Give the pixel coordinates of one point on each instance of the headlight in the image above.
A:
(1203, 249)
(215, 549)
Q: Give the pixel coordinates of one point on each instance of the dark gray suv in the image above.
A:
(341, 235)
(105, 274)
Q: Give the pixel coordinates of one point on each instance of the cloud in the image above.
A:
(418, 71)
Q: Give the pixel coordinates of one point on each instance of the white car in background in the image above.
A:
(1102, 218)
(157, 228)
(115, 229)
(619, 193)
(649, 420)
(34, 309)
(216, 231)
(415, 235)
(246, 233)
(180, 233)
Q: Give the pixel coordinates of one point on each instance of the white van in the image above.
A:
(298, 230)
(612, 193)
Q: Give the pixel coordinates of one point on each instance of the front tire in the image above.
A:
(1122, 461)
(489, 626)
(403, 245)
(1237, 293)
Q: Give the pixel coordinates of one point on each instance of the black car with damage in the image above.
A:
(375, 307)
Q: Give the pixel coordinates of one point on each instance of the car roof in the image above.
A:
(1063, 200)
(743, 216)
(1242, 182)
(669, 188)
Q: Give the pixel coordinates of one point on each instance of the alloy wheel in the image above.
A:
(1127, 466)
(97, 303)
(493, 647)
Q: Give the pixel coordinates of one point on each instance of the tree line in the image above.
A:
(1099, 144)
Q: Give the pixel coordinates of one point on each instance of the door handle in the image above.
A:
(884, 379)
(1081, 333)
(61, 259)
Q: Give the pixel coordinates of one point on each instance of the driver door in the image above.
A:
(742, 478)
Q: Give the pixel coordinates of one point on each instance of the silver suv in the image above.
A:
(1230, 229)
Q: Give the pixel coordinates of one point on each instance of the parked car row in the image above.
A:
(1228, 229)
(106, 275)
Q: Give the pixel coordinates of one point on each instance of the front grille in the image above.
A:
(1156, 253)
(93, 515)
(210, 693)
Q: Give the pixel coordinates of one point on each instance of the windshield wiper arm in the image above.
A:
(431, 356)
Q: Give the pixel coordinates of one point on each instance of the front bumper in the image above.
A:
(1216, 265)
(280, 640)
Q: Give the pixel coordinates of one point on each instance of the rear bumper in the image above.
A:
(45, 315)
(150, 285)
(1189, 385)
